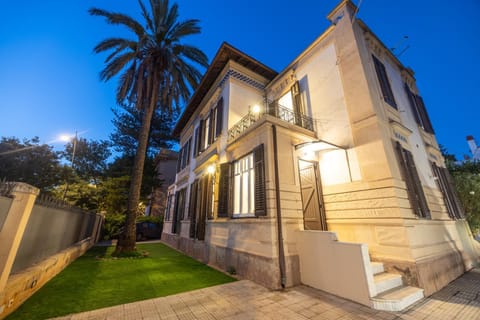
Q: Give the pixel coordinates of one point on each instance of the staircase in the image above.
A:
(392, 294)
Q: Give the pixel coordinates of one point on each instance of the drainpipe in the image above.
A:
(281, 251)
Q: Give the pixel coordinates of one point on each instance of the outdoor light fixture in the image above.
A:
(256, 109)
(211, 169)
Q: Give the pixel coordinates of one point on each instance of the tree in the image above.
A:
(466, 177)
(156, 72)
(128, 121)
(90, 158)
(30, 162)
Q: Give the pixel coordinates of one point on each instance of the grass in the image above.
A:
(91, 282)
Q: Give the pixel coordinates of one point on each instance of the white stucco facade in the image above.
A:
(335, 143)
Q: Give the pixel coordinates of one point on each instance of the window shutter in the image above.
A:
(193, 207)
(224, 190)
(199, 141)
(203, 205)
(459, 212)
(209, 208)
(415, 193)
(260, 193)
(413, 105)
(179, 160)
(384, 82)
(219, 124)
(427, 125)
(211, 122)
(441, 182)
(195, 144)
(187, 152)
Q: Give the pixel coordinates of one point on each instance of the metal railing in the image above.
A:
(272, 109)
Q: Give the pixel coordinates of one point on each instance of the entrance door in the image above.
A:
(313, 210)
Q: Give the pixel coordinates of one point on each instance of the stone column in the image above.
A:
(23, 198)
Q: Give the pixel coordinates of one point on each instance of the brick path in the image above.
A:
(247, 300)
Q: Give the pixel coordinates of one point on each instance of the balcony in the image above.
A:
(273, 109)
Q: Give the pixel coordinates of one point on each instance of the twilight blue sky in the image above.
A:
(49, 81)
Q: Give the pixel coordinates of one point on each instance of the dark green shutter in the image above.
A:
(444, 189)
(384, 82)
(427, 124)
(211, 119)
(415, 192)
(199, 142)
(260, 192)
(459, 211)
(203, 205)
(413, 105)
(192, 209)
(224, 190)
(219, 124)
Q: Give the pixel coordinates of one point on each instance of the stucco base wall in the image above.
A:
(24, 284)
(260, 269)
(436, 273)
(430, 274)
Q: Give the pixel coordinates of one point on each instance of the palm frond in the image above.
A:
(116, 65)
(186, 28)
(119, 18)
(146, 16)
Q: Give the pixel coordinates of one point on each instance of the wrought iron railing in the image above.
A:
(272, 109)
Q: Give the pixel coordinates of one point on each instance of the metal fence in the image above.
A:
(273, 109)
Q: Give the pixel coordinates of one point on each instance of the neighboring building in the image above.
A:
(165, 167)
(474, 149)
(340, 140)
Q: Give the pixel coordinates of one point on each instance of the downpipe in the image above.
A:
(281, 250)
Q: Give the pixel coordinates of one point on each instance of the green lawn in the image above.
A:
(91, 283)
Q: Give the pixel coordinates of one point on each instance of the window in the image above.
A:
(450, 197)
(209, 128)
(169, 207)
(200, 207)
(384, 83)
(178, 211)
(415, 193)
(242, 186)
(419, 111)
(184, 156)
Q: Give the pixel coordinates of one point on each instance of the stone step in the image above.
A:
(397, 299)
(386, 281)
(377, 267)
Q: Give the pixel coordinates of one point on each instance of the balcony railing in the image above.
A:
(275, 110)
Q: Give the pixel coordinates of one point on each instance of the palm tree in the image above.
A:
(156, 70)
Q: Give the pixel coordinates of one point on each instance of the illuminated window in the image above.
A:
(244, 186)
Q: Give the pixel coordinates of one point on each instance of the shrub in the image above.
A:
(112, 226)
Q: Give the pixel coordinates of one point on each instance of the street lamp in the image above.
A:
(74, 140)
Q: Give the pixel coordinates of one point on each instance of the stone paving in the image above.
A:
(247, 300)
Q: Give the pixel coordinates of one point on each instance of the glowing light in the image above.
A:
(211, 169)
(256, 108)
(66, 137)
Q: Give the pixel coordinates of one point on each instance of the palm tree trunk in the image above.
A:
(126, 242)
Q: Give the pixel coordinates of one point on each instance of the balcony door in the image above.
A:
(312, 198)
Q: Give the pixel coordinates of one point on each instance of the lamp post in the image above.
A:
(74, 140)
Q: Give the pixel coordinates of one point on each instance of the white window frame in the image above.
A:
(244, 187)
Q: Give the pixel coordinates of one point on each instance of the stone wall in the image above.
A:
(24, 284)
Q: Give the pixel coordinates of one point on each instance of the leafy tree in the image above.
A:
(466, 176)
(30, 162)
(156, 71)
(91, 158)
(128, 121)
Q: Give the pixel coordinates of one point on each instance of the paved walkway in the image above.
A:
(247, 300)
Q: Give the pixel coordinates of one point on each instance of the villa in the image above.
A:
(327, 174)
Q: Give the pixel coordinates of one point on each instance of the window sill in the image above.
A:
(241, 216)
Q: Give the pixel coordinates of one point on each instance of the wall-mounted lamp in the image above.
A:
(256, 109)
(211, 169)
